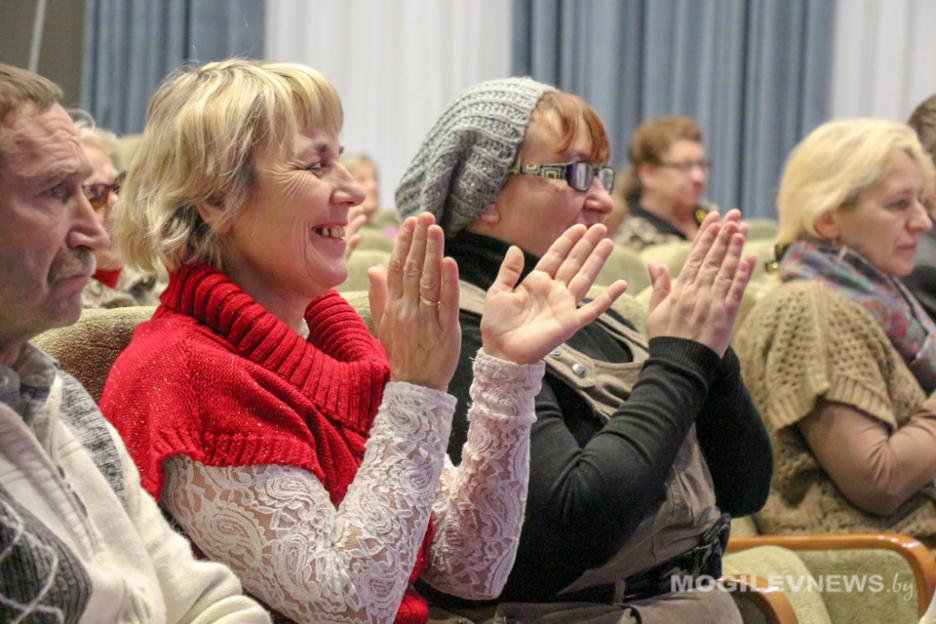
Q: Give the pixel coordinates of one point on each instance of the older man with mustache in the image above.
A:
(81, 541)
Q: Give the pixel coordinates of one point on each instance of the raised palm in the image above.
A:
(522, 323)
(703, 303)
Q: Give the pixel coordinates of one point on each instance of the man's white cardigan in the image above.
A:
(80, 541)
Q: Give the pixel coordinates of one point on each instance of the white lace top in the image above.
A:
(277, 528)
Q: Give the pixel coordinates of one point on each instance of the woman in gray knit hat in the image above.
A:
(641, 448)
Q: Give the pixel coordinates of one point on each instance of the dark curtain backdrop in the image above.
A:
(131, 45)
(753, 73)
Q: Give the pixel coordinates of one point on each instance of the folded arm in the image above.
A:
(875, 468)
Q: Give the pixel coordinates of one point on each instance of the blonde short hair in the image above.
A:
(90, 135)
(835, 164)
(204, 129)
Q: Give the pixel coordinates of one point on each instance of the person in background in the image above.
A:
(365, 171)
(660, 197)
(284, 438)
(81, 540)
(113, 285)
(840, 357)
(922, 281)
(639, 447)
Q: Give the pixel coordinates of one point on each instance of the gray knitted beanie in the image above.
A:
(463, 162)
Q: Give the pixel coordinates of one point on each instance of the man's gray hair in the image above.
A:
(18, 87)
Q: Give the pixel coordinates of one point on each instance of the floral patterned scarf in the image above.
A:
(898, 313)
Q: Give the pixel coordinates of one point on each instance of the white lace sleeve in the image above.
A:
(277, 528)
(479, 509)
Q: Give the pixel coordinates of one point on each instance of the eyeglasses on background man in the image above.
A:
(689, 165)
(99, 194)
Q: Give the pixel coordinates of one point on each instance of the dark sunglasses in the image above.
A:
(99, 194)
(579, 174)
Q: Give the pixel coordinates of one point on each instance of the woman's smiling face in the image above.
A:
(288, 243)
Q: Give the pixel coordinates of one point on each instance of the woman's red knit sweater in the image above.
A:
(216, 377)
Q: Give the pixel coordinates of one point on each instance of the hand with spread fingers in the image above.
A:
(414, 303)
(356, 220)
(522, 323)
(703, 302)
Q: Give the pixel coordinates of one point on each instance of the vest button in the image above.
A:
(579, 370)
(555, 353)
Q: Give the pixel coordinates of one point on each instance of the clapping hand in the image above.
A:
(414, 303)
(522, 323)
(703, 302)
(356, 220)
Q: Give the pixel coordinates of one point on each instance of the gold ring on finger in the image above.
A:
(428, 302)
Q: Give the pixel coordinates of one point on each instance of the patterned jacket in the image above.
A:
(132, 289)
(641, 228)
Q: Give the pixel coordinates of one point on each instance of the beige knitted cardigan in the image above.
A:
(807, 341)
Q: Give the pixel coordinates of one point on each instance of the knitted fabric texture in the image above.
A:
(464, 162)
(807, 341)
(216, 377)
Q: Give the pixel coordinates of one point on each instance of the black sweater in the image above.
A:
(592, 481)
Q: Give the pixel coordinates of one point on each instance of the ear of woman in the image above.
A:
(827, 226)
(211, 212)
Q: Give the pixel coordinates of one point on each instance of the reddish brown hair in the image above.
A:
(573, 112)
(651, 139)
(923, 121)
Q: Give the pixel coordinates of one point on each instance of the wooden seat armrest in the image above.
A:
(917, 556)
(770, 600)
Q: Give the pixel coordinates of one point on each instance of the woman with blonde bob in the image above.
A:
(840, 358)
(283, 438)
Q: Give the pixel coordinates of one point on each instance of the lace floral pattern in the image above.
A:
(277, 528)
(479, 509)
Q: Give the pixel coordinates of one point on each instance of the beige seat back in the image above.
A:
(627, 265)
(88, 348)
(672, 255)
(358, 264)
(374, 239)
(762, 228)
